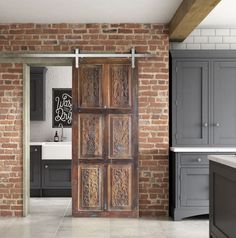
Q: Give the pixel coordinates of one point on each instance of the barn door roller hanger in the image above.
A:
(131, 55)
(77, 55)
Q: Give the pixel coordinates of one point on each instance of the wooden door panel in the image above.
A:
(105, 144)
(90, 136)
(90, 86)
(120, 86)
(90, 187)
(120, 137)
(119, 187)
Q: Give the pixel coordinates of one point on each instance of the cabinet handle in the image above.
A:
(205, 124)
(199, 160)
(35, 149)
(217, 124)
(46, 166)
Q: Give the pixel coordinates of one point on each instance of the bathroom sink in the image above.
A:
(57, 151)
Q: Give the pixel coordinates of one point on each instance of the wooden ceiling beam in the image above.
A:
(188, 16)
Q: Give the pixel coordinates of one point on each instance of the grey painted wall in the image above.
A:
(208, 39)
(56, 77)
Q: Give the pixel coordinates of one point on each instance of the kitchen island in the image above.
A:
(222, 196)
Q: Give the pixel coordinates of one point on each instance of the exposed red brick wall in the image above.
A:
(153, 100)
(11, 99)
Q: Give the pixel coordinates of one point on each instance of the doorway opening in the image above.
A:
(116, 193)
(50, 139)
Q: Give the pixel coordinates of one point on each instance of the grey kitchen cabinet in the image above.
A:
(189, 184)
(35, 171)
(203, 98)
(202, 114)
(37, 93)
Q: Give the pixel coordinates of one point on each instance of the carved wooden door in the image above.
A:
(105, 139)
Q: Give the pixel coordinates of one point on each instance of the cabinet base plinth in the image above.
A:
(180, 213)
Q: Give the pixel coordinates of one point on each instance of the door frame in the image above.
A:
(26, 116)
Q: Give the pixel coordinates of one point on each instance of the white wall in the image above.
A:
(56, 77)
(208, 39)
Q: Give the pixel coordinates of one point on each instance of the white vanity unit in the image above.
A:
(50, 168)
(222, 196)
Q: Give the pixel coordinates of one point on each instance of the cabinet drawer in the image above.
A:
(193, 159)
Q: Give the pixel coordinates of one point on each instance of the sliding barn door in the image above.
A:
(105, 139)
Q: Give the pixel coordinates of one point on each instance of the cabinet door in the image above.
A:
(194, 187)
(224, 109)
(56, 174)
(37, 94)
(35, 158)
(190, 114)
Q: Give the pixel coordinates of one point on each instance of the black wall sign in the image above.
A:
(61, 107)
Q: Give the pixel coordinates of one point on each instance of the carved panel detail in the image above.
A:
(120, 77)
(120, 186)
(90, 89)
(120, 136)
(90, 188)
(91, 136)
